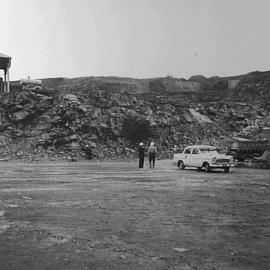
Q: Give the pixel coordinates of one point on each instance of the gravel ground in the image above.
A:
(112, 215)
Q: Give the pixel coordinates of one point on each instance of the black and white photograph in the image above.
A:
(134, 135)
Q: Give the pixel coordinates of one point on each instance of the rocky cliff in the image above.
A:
(113, 114)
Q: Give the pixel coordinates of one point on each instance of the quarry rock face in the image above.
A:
(113, 115)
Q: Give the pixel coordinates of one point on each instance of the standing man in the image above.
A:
(141, 152)
(152, 152)
(88, 151)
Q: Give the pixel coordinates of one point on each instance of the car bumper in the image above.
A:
(221, 165)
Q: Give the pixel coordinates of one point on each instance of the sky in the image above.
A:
(135, 38)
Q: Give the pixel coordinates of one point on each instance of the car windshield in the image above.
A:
(205, 150)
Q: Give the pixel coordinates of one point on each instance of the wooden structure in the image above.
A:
(5, 62)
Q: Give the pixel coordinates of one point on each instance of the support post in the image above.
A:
(1, 85)
(5, 82)
(8, 86)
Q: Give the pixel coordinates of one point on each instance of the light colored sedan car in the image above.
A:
(203, 157)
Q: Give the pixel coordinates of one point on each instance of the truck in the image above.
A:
(242, 148)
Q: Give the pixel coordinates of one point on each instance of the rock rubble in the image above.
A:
(50, 123)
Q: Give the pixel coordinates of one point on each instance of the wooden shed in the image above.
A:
(5, 62)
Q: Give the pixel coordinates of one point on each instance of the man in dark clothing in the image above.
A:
(141, 152)
(73, 155)
(88, 151)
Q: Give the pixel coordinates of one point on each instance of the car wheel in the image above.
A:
(227, 169)
(207, 167)
(181, 165)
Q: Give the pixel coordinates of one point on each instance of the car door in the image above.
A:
(187, 156)
(195, 157)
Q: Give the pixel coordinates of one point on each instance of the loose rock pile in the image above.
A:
(46, 123)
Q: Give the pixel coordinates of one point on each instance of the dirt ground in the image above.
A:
(111, 215)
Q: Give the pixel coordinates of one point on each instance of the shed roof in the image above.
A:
(5, 61)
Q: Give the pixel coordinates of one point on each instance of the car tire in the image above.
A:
(227, 169)
(207, 167)
(181, 165)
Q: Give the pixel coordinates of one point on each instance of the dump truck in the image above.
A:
(242, 148)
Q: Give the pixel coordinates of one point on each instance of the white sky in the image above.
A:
(135, 38)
